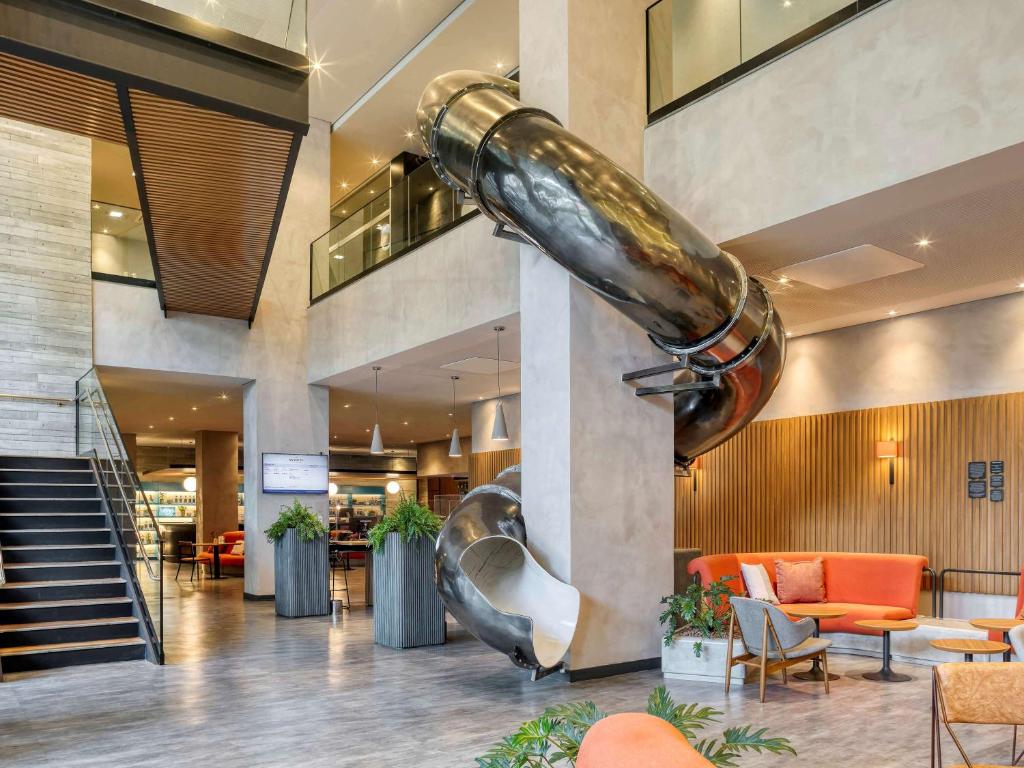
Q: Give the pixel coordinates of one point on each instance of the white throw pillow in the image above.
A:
(759, 585)
(239, 549)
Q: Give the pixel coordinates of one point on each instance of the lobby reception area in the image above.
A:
(511, 383)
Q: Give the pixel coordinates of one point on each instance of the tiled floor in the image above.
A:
(243, 687)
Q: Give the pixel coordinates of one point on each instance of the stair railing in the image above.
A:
(138, 534)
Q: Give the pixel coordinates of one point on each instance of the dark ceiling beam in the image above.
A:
(117, 45)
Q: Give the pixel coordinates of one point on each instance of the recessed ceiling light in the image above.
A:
(499, 65)
(335, 437)
(367, 429)
(170, 418)
(371, 191)
(923, 242)
(195, 408)
(787, 3)
(339, 256)
(151, 426)
(408, 134)
(133, 174)
(346, 405)
(788, 334)
(1020, 285)
(892, 313)
(412, 441)
(784, 280)
(481, 397)
(106, 231)
(116, 214)
(344, 185)
(374, 161)
(405, 423)
(344, 211)
(449, 414)
(223, 395)
(95, 206)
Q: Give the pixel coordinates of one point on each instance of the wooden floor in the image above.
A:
(244, 688)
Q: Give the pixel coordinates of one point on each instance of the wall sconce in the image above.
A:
(888, 449)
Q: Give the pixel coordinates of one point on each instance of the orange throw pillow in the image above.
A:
(801, 582)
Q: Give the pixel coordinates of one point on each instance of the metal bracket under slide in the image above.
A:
(715, 382)
(539, 673)
(500, 230)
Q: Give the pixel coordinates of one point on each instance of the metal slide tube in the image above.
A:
(546, 186)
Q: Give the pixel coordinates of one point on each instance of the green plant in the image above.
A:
(300, 517)
(408, 519)
(700, 611)
(554, 738)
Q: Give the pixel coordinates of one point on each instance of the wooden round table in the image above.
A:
(816, 612)
(970, 647)
(886, 626)
(998, 625)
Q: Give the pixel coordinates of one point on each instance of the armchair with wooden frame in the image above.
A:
(773, 642)
(976, 693)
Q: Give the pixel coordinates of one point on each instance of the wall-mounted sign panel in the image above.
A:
(294, 473)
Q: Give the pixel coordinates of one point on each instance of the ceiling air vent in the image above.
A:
(849, 267)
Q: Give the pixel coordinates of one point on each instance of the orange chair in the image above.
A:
(228, 560)
(637, 740)
(865, 586)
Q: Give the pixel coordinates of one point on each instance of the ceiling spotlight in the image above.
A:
(788, 334)
(499, 65)
(1020, 285)
(115, 214)
(95, 206)
(784, 280)
(151, 426)
(195, 408)
(335, 437)
(367, 429)
(787, 3)
(374, 161)
(106, 231)
(344, 185)
(133, 174)
(408, 134)
(347, 405)
(339, 256)
(923, 242)
(405, 423)
(223, 395)
(170, 418)
(344, 211)
(371, 192)
(892, 313)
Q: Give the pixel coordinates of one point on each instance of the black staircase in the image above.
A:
(70, 597)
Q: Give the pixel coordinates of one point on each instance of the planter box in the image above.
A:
(407, 611)
(300, 576)
(679, 663)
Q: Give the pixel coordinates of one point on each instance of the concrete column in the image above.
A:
(281, 412)
(216, 483)
(597, 460)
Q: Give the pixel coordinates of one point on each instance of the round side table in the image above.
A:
(886, 627)
(816, 612)
(998, 625)
(970, 647)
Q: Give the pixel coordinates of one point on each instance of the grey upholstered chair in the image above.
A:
(1017, 641)
(773, 642)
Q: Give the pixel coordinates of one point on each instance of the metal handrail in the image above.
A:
(132, 504)
(60, 401)
(945, 571)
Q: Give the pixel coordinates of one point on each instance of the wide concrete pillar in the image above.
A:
(216, 483)
(597, 460)
(281, 412)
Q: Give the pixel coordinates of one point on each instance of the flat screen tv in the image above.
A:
(299, 473)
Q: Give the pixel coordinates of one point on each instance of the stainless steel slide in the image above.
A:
(543, 185)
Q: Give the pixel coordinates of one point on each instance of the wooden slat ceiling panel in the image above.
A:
(212, 182)
(55, 98)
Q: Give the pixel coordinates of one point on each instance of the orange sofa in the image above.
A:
(866, 586)
(227, 560)
(637, 740)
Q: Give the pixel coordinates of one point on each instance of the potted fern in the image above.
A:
(407, 611)
(300, 562)
(553, 740)
(696, 622)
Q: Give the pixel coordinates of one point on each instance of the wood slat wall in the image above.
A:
(813, 483)
(484, 467)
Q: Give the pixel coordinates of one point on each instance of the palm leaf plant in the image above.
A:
(554, 738)
(698, 611)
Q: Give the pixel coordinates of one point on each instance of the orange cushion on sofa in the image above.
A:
(637, 740)
(800, 582)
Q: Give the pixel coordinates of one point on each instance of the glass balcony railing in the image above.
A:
(387, 224)
(120, 251)
(696, 46)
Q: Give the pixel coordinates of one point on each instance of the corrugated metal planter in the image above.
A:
(407, 611)
(300, 576)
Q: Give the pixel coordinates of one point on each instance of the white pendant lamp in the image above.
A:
(499, 431)
(455, 449)
(376, 444)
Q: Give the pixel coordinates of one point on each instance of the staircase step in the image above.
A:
(48, 490)
(56, 553)
(72, 631)
(50, 503)
(64, 610)
(46, 519)
(25, 536)
(47, 476)
(47, 656)
(43, 462)
(83, 569)
(69, 589)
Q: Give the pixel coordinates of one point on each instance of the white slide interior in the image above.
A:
(506, 574)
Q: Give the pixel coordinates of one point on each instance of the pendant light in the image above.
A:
(376, 444)
(455, 449)
(499, 431)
